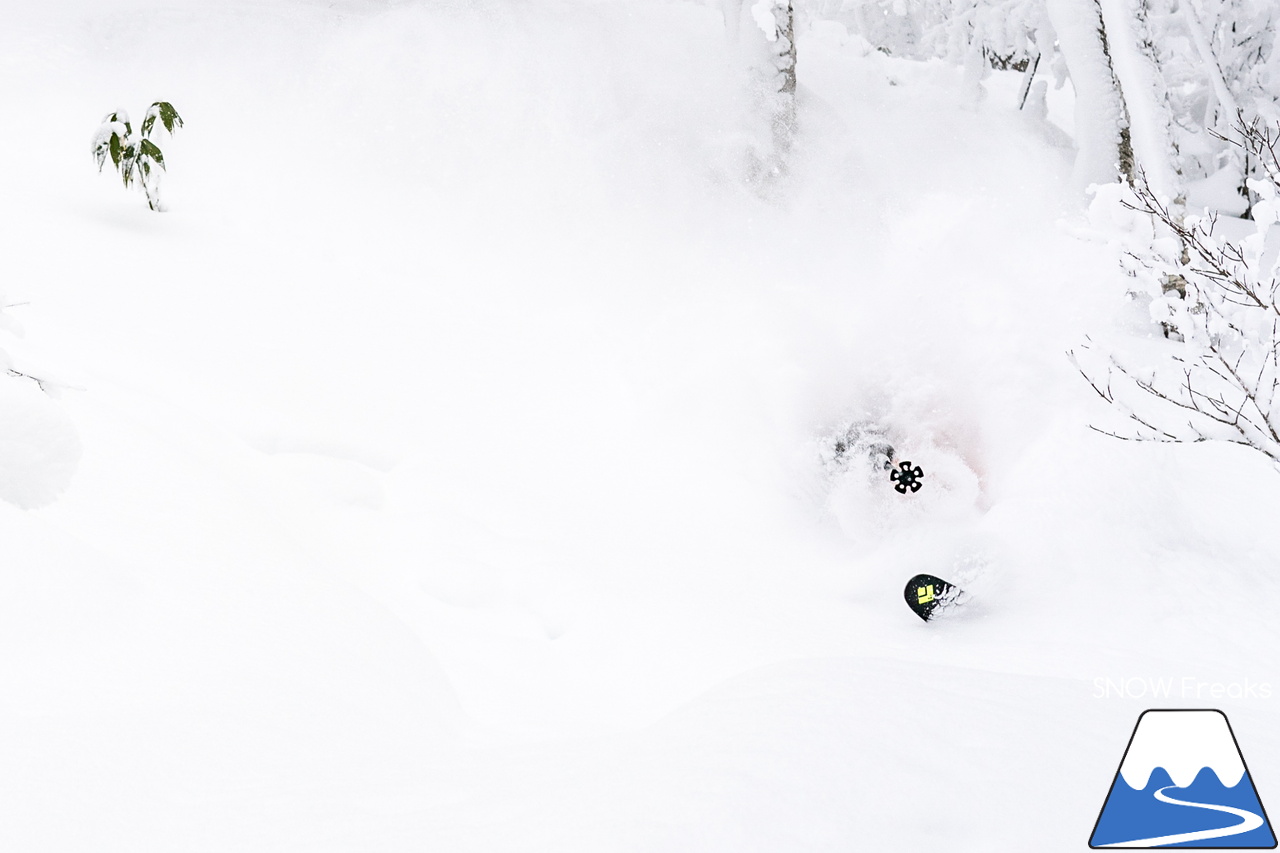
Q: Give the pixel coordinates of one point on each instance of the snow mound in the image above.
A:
(39, 447)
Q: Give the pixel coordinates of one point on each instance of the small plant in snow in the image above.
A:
(135, 156)
(1217, 376)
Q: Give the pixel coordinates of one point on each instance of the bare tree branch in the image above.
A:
(1222, 369)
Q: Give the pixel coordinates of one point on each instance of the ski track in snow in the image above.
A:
(1248, 822)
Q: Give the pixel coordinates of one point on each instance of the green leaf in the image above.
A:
(128, 163)
(110, 140)
(150, 153)
(169, 116)
(166, 113)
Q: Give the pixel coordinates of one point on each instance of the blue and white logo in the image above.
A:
(1183, 783)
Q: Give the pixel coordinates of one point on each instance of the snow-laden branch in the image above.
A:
(1217, 375)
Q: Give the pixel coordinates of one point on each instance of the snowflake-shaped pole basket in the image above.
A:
(907, 477)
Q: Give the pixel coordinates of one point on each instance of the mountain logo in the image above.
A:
(1183, 783)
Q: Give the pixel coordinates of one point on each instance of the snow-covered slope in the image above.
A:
(450, 454)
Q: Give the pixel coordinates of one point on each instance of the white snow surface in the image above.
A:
(1183, 743)
(39, 449)
(450, 452)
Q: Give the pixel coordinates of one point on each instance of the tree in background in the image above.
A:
(1217, 376)
(1157, 83)
(1103, 139)
(1235, 43)
(1177, 120)
(764, 32)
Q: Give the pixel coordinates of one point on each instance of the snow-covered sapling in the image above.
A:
(135, 155)
(1217, 377)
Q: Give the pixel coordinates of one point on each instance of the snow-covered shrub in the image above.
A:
(135, 155)
(1001, 31)
(1215, 374)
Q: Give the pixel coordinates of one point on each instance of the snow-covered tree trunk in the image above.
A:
(1142, 86)
(776, 74)
(1213, 68)
(765, 33)
(784, 61)
(1104, 150)
(1136, 69)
